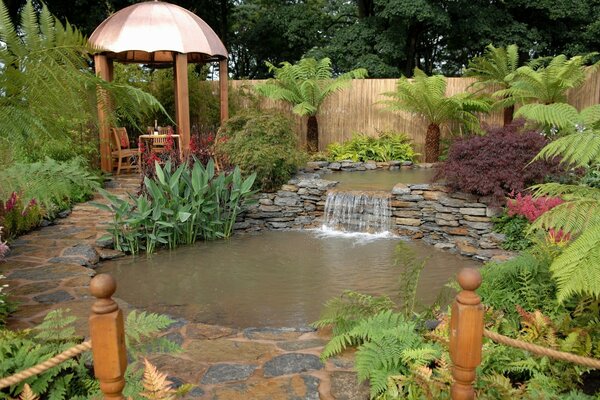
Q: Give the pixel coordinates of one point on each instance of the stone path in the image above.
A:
(51, 268)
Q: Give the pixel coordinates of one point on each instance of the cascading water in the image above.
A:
(353, 211)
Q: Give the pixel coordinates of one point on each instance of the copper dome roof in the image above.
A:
(151, 31)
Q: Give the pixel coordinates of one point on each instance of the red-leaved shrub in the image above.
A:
(530, 207)
(497, 163)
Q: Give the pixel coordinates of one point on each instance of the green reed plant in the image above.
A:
(179, 206)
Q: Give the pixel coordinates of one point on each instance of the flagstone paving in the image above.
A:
(51, 268)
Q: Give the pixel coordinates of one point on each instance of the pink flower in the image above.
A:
(11, 202)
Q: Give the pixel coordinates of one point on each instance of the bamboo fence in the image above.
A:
(357, 109)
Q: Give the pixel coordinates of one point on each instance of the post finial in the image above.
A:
(102, 287)
(469, 279)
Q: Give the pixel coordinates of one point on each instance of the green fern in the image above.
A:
(49, 100)
(141, 329)
(344, 312)
(545, 84)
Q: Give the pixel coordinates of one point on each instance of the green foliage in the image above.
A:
(6, 306)
(545, 84)
(523, 281)
(425, 96)
(49, 101)
(406, 258)
(577, 268)
(346, 311)
(141, 329)
(54, 185)
(261, 143)
(388, 146)
(306, 84)
(73, 379)
(495, 67)
(204, 105)
(389, 345)
(179, 206)
(515, 229)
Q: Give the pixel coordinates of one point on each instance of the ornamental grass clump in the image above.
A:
(178, 206)
(498, 163)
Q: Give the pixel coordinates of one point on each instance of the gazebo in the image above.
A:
(159, 34)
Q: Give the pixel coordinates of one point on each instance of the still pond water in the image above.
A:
(273, 278)
(379, 180)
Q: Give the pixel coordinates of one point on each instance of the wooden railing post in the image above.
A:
(466, 334)
(108, 338)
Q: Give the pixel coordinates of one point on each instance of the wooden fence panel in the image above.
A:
(357, 109)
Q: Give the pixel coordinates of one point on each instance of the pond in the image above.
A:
(273, 278)
(379, 180)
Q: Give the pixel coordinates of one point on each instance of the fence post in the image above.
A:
(108, 338)
(466, 334)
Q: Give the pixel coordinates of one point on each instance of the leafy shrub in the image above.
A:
(514, 227)
(54, 185)
(497, 163)
(591, 177)
(521, 211)
(178, 206)
(261, 143)
(73, 379)
(388, 146)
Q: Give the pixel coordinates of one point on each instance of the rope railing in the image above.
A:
(108, 335)
(542, 351)
(46, 365)
(466, 338)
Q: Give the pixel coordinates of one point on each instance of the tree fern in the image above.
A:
(425, 96)
(305, 85)
(545, 84)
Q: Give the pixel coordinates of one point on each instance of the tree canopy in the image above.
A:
(387, 37)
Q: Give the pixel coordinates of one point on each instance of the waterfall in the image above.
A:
(355, 211)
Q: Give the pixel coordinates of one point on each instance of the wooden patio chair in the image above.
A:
(125, 156)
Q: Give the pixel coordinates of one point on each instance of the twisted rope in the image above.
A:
(542, 351)
(46, 365)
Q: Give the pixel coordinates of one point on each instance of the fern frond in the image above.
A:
(27, 394)
(572, 217)
(577, 149)
(576, 269)
(156, 385)
(560, 115)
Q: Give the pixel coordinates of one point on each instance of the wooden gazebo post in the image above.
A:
(223, 90)
(104, 70)
(182, 102)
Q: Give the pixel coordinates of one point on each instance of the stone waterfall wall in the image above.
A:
(459, 222)
(299, 204)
